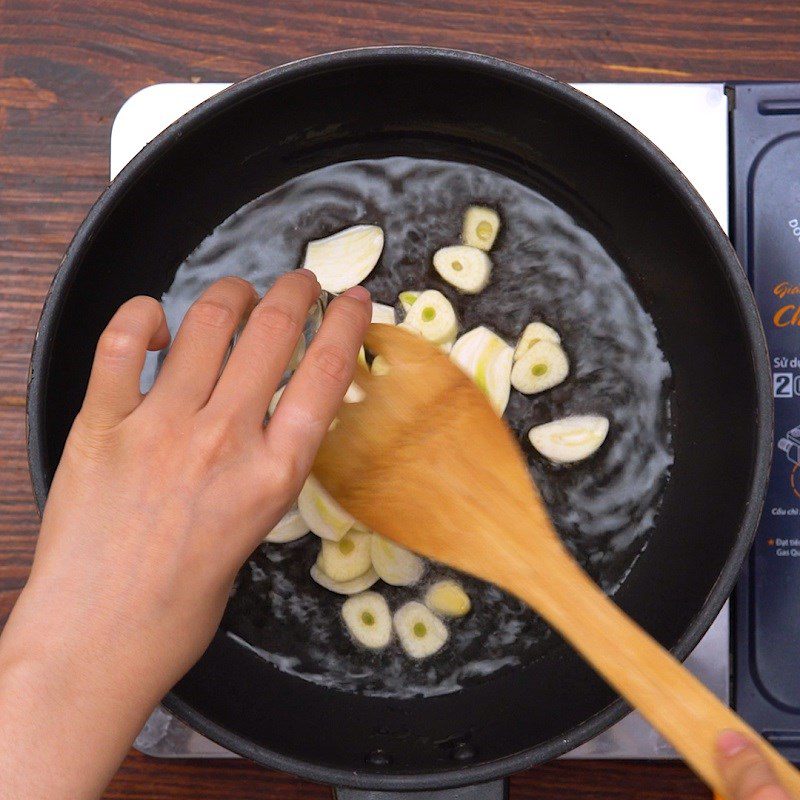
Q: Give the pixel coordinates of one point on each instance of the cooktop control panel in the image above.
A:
(765, 216)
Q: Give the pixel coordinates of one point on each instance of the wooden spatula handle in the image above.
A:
(678, 705)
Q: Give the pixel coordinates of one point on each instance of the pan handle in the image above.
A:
(495, 790)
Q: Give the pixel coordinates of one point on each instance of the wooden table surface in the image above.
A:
(66, 66)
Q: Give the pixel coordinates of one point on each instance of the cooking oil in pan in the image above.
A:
(546, 267)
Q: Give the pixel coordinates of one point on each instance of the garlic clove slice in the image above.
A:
(383, 314)
(467, 268)
(534, 332)
(394, 564)
(544, 365)
(368, 619)
(348, 558)
(354, 394)
(359, 584)
(487, 359)
(323, 515)
(571, 439)
(407, 299)
(289, 528)
(447, 598)
(421, 633)
(433, 316)
(480, 227)
(345, 258)
(273, 404)
(297, 354)
(380, 366)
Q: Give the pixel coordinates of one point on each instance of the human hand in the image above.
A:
(745, 771)
(158, 500)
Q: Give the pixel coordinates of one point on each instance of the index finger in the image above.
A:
(113, 392)
(314, 394)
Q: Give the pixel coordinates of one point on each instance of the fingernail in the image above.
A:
(360, 293)
(732, 742)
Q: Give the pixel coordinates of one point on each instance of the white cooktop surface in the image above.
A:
(689, 122)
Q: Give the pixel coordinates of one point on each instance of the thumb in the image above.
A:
(747, 774)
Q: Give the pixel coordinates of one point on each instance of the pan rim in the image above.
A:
(632, 138)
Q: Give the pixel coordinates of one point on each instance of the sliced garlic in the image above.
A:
(297, 355)
(273, 404)
(380, 366)
(323, 515)
(383, 314)
(346, 559)
(445, 347)
(487, 359)
(570, 439)
(465, 267)
(420, 632)
(447, 598)
(354, 394)
(290, 527)
(359, 584)
(368, 619)
(407, 299)
(432, 315)
(345, 258)
(394, 564)
(544, 365)
(535, 332)
(480, 227)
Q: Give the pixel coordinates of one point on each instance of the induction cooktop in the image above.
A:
(740, 147)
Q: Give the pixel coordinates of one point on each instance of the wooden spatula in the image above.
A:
(425, 461)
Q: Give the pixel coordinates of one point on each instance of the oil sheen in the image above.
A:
(546, 267)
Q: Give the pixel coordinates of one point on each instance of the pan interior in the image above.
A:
(428, 104)
(545, 267)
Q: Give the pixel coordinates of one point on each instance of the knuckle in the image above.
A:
(212, 314)
(285, 478)
(140, 308)
(236, 284)
(116, 344)
(349, 316)
(88, 439)
(333, 363)
(750, 761)
(146, 303)
(350, 308)
(302, 277)
(275, 321)
(211, 442)
(767, 792)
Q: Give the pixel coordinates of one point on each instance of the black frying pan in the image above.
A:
(408, 101)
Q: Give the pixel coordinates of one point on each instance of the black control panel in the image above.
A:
(765, 206)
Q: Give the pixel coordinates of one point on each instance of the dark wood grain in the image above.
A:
(65, 69)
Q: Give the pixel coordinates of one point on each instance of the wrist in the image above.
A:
(59, 706)
(79, 652)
